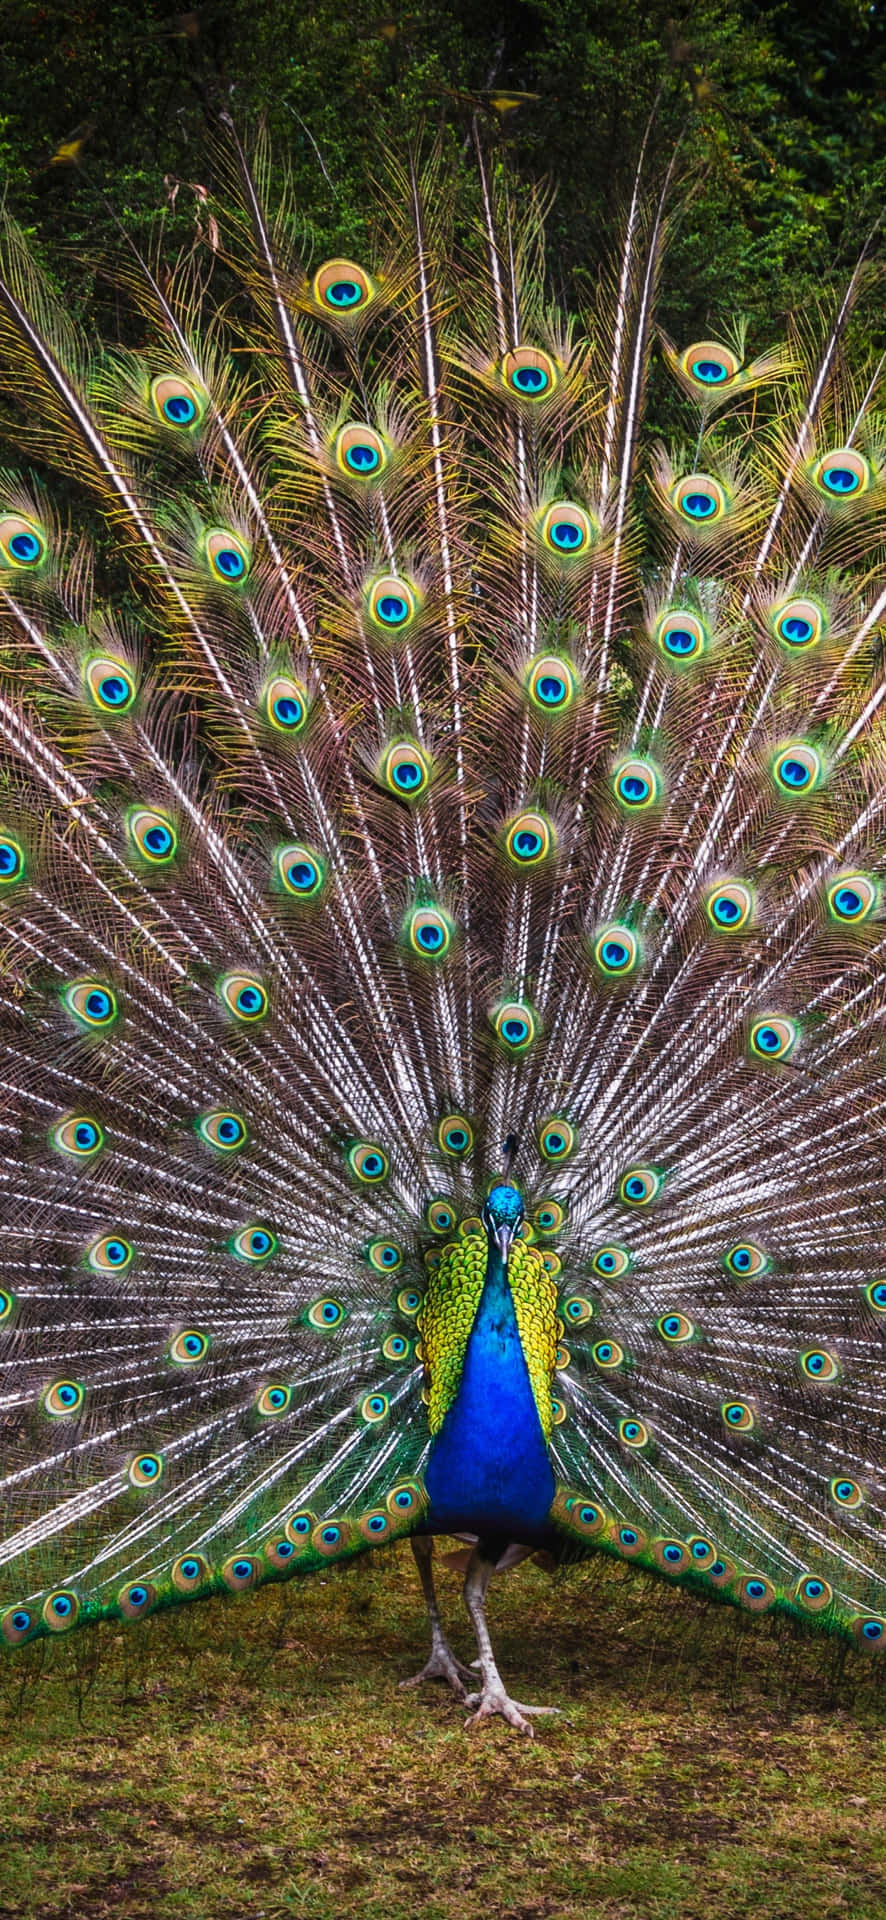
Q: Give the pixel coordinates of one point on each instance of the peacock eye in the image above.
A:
(239, 1572)
(670, 1555)
(608, 1355)
(637, 784)
(675, 1328)
(273, 1400)
(846, 1493)
(556, 1139)
(738, 1416)
(153, 835)
(529, 839)
(255, 1244)
(77, 1136)
(630, 1541)
(7, 1306)
(374, 1407)
(529, 373)
(177, 403)
(551, 1263)
(640, 1186)
(279, 1552)
(405, 770)
(146, 1470)
(440, 1215)
(341, 288)
(396, 1348)
(285, 705)
(567, 530)
(223, 1130)
(577, 1311)
(93, 1005)
(12, 861)
(797, 769)
(64, 1399)
(745, 1261)
(516, 1025)
(680, 637)
(409, 1301)
(730, 906)
(798, 624)
(23, 543)
(384, 1256)
(299, 1527)
(300, 871)
(552, 684)
(361, 453)
(368, 1162)
(455, 1135)
(852, 899)
(325, 1314)
(136, 1600)
(707, 366)
(61, 1610)
(228, 556)
(110, 1254)
(190, 1571)
(841, 474)
(392, 604)
(428, 932)
(813, 1593)
(616, 952)
(110, 683)
(699, 499)
(773, 1037)
(820, 1366)
(549, 1216)
(405, 1500)
(875, 1295)
(633, 1433)
(611, 1262)
(869, 1630)
(243, 995)
(187, 1349)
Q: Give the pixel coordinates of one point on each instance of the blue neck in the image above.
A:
(488, 1471)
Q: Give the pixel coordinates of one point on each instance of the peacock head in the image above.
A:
(502, 1215)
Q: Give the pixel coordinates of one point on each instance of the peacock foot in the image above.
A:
(442, 1664)
(494, 1700)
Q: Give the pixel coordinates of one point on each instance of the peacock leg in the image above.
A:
(492, 1698)
(441, 1663)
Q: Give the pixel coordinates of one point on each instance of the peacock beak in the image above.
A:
(504, 1235)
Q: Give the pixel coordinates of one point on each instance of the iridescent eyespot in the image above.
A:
(325, 1314)
(110, 1254)
(699, 499)
(12, 861)
(374, 1407)
(375, 1525)
(77, 1136)
(798, 624)
(188, 1348)
(405, 770)
(738, 1416)
(23, 543)
(7, 1306)
(721, 1572)
(730, 906)
(820, 1366)
(680, 637)
(472, 1224)
(440, 1216)
(384, 1255)
(190, 1571)
(636, 784)
(675, 1328)
(549, 1216)
(529, 373)
(701, 1552)
(515, 1024)
(633, 1433)
(455, 1135)
(109, 683)
(361, 452)
(409, 1301)
(562, 1358)
(255, 1244)
(301, 872)
(273, 1400)
(846, 1493)
(279, 1552)
(396, 1348)
(229, 557)
(640, 1186)
(586, 1518)
(342, 288)
(629, 1541)
(813, 1593)
(852, 898)
(93, 1005)
(433, 1259)
(708, 367)
(745, 1261)
(754, 1592)
(146, 1470)
(176, 402)
(299, 1527)
(552, 684)
(577, 1311)
(64, 1399)
(225, 1131)
(239, 1572)
(773, 1037)
(841, 474)
(406, 1500)
(556, 1139)
(428, 932)
(551, 1262)
(875, 1295)
(797, 769)
(61, 1610)
(529, 839)
(525, 1232)
(137, 1599)
(368, 1162)
(616, 952)
(330, 1538)
(611, 1262)
(567, 530)
(285, 705)
(153, 835)
(869, 1631)
(670, 1555)
(244, 996)
(608, 1355)
(392, 603)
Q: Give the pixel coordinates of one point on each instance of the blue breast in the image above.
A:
(488, 1471)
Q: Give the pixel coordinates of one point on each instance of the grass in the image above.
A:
(254, 1759)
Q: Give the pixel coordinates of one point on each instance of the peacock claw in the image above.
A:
(494, 1700)
(441, 1664)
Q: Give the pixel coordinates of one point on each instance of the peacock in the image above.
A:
(442, 900)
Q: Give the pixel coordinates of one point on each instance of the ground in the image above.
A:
(252, 1759)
